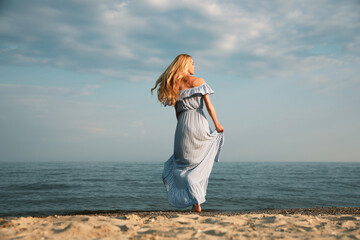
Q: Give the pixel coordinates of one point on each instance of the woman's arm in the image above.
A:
(211, 110)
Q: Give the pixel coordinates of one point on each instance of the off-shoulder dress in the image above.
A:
(196, 147)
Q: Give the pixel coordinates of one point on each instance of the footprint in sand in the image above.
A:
(183, 220)
(304, 228)
(347, 218)
(321, 225)
(62, 229)
(210, 220)
(184, 229)
(150, 231)
(123, 228)
(267, 220)
(215, 233)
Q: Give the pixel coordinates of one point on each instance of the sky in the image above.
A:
(75, 78)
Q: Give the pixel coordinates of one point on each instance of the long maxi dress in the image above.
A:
(196, 147)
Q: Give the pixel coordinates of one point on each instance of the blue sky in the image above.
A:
(76, 77)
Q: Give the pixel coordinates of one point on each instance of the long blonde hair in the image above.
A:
(169, 81)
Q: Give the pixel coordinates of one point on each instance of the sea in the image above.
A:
(48, 188)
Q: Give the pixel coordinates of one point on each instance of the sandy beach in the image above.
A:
(316, 223)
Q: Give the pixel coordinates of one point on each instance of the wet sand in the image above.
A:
(310, 223)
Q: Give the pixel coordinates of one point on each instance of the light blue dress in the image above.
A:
(196, 148)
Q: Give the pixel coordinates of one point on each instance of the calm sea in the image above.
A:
(55, 188)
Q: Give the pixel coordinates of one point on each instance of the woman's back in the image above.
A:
(192, 98)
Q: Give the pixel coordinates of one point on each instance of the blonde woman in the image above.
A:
(196, 147)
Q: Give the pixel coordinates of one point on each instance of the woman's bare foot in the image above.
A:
(196, 208)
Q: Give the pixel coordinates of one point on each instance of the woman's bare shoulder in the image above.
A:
(197, 81)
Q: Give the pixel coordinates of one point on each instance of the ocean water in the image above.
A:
(33, 189)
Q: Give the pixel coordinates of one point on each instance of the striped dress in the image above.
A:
(196, 147)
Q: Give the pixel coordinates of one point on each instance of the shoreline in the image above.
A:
(211, 212)
(205, 212)
(302, 223)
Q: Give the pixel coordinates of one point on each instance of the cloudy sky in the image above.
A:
(75, 77)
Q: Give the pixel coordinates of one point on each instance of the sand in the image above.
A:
(324, 223)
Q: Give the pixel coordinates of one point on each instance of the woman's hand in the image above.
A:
(219, 128)
(212, 113)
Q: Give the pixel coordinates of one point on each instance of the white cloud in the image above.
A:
(23, 59)
(88, 90)
(160, 4)
(133, 40)
(227, 43)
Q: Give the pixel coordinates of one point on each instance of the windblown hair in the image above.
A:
(169, 81)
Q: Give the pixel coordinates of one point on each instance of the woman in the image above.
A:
(196, 147)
